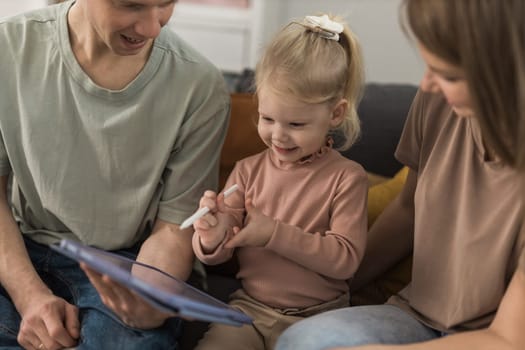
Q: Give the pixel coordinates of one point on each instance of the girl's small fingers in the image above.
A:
(211, 220)
(206, 222)
(235, 241)
(210, 194)
(207, 202)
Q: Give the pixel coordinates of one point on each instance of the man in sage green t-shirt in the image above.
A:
(110, 128)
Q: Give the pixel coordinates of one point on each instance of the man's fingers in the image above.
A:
(72, 323)
(104, 288)
(57, 336)
(28, 340)
(51, 333)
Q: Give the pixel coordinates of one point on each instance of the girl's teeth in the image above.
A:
(132, 40)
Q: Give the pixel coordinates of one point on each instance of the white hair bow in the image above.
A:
(327, 28)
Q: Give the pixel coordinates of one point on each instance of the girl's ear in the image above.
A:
(339, 113)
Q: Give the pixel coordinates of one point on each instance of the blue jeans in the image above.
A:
(100, 328)
(358, 325)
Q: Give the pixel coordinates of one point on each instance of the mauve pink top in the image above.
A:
(320, 206)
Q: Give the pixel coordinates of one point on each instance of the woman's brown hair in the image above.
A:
(486, 39)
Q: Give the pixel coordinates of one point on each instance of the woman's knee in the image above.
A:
(354, 326)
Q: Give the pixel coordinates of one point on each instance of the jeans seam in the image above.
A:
(8, 330)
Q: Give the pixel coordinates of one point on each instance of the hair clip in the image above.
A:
(325, 26)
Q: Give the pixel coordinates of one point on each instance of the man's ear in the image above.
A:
(339, 113)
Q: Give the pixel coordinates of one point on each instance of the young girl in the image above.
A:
(298, 221)
(461, 207)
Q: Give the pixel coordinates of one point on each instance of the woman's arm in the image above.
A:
(391, 237)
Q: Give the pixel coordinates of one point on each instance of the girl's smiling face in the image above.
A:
(293, 129)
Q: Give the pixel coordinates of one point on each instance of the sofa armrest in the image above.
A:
(242, 139)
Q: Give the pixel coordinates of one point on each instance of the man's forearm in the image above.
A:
(17, 274)
(169, 249)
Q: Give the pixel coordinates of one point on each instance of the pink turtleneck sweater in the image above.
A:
(320, 236)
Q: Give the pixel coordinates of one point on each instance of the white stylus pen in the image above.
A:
(205, 210)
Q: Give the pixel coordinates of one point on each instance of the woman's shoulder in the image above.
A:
(430, 106)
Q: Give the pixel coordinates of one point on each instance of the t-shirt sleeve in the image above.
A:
(192, 167)
(427, 117)
(409, 146)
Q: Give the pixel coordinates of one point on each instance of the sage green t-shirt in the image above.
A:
(100, 165)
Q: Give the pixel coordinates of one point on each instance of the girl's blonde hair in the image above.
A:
(302, 64)
(487, 40)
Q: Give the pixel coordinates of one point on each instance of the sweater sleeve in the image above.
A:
(235, 204)
(337, 252)
(218, 256)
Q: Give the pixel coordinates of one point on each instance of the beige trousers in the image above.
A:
(268, 324)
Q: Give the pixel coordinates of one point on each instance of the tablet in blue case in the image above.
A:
(157, 287)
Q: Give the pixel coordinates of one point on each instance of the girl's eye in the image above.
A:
(297, 125)
(266, 119)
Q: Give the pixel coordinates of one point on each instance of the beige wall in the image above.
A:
(12, 7)
(233, 39)
(388, 55)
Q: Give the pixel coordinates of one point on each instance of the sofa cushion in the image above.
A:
(382, 112)
(381, 194)
(396, 278)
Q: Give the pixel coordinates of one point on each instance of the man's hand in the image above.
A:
(257, 231)
(50, 323)
(132, 309)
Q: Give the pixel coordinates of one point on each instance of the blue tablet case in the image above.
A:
(157, 287)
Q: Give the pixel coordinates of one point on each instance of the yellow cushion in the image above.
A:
(392, 281)
(381, 194)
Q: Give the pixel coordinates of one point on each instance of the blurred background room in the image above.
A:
(231, 33)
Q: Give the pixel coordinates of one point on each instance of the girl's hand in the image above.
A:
(257, 231)
(213, 226)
